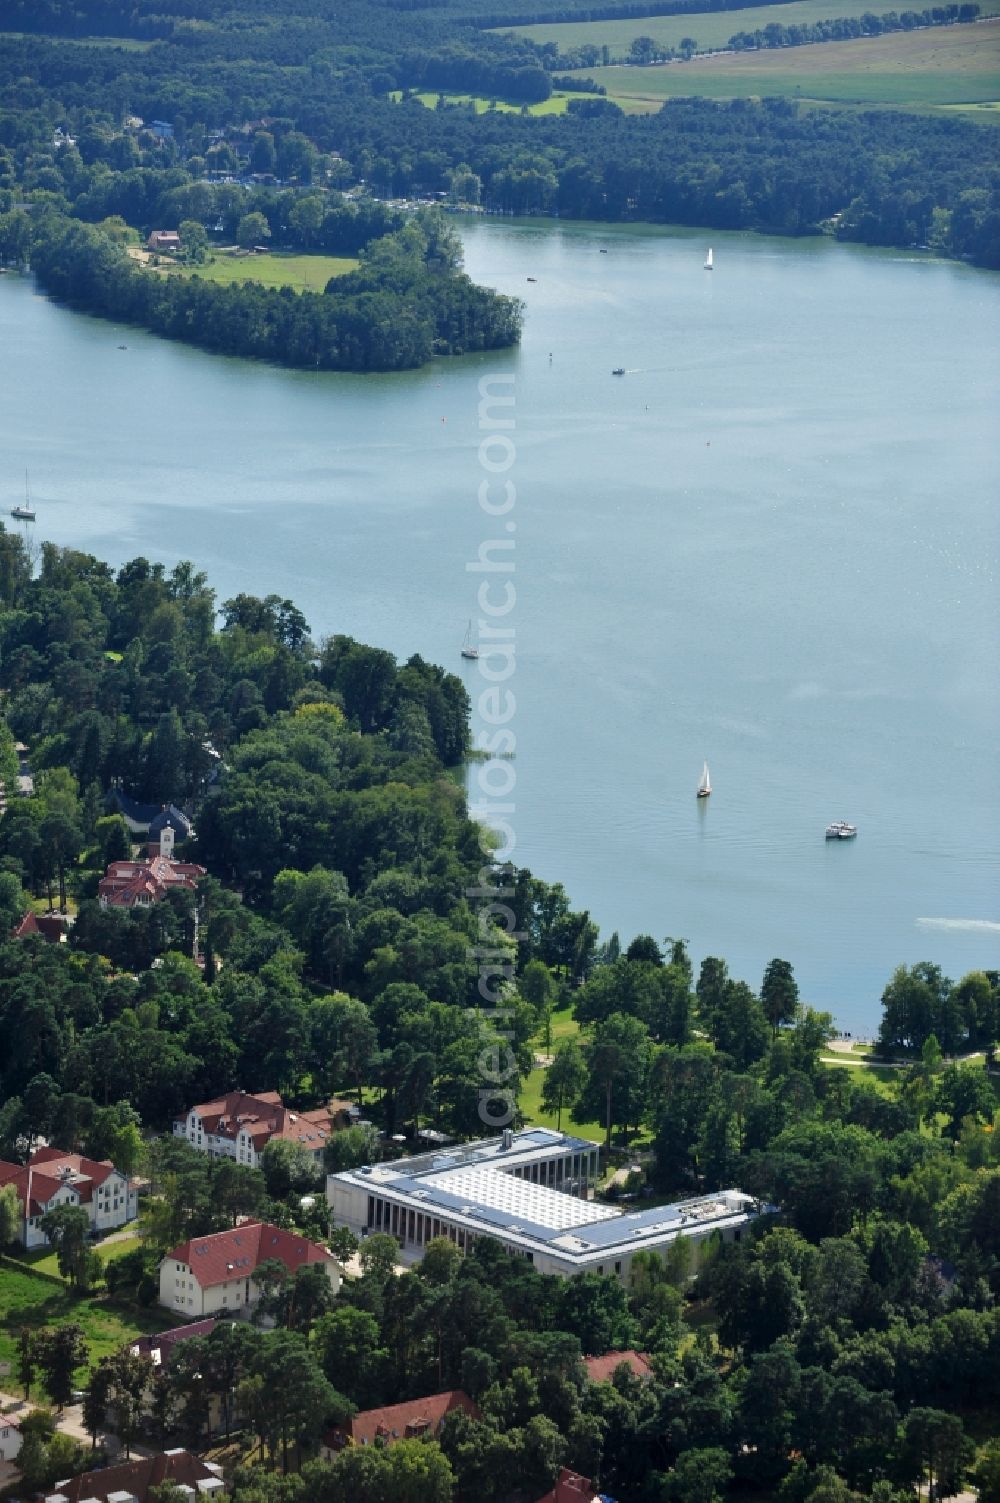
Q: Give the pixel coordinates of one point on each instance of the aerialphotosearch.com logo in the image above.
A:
(495, 774)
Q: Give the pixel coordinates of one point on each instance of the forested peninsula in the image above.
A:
(409, 301)
(847, 1347)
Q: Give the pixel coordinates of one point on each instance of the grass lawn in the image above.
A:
(933, 69)
(26, 1301)
(275, 269)
(709, 29)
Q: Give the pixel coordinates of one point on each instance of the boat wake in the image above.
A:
(973, 926)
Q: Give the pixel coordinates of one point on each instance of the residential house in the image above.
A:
(572, 1488)
(160, 1350)
(139, 817)
(140, 884)
(10, 1437)
(603, 1369)
(132, 1481)
(168, 241)
(240, 1125)
(162, 130)
(54, 927)
(52, 1178)
(406, 1421)
(214, 1275)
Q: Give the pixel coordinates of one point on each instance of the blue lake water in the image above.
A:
(772, 544)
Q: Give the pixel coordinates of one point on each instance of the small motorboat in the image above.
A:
(841, 830)
(532, 279)
(619, 370)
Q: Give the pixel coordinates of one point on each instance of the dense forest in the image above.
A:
(847, 1348)
(327, 97)
(407, 302)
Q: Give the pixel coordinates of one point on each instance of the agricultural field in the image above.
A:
(556, 105)
(941, 68)
(709, 29)
(275, 269)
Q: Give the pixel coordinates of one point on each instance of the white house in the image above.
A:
(214, 1275)
(52, 1178)
(240, 1125)
(10, 1437)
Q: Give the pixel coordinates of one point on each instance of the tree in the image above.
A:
(564, 1079)
(59, 1352)
(288, 1167)
(779, 994)
(986, 1476)
(127, 1375)
(194, 241)
(934, 1445)
(10, 1216)
(95, 1401)
(964, 1091)
(618, 1062)
(26, 1360)
(700, 1476)
(253, 230)
(67, 1229)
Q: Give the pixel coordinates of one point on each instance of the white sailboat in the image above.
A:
(705, 786)
(708, 260)
(469, 650)
(25, 513)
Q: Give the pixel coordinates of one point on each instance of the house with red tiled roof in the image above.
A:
(52, 1178)
(603, 1369)
(132, 1480)
(214, 1275)
(240, 1125)
(140, 884)
(54, 927)
(397, 1422)
(572, 1488)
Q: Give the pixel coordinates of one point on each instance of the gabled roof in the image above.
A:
(262, 1117)
(398, 1421)
(235, 1254)
(135, 1478)
(47, 1172)
(161, 1348)
(603, 1369)
(571, 1488)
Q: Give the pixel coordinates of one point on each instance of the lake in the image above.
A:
(771, 544)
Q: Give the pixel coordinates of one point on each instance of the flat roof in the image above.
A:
(472, 1186)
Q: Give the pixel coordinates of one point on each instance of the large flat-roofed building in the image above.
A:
(528, 1191)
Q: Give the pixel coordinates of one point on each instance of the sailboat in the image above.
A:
(469, 650)
(708, 260)
(25, 513)
(705, 786)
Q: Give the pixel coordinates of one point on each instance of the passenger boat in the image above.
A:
(841, 830)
